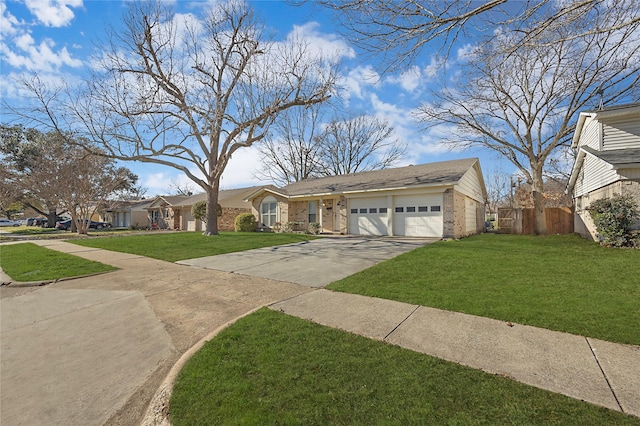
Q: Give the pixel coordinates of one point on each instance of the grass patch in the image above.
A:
(562, 282)
(30, 262)
(270, 368)
(32, 230)
(176, 246)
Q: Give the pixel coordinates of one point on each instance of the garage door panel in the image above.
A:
(414, 216)
(365, 217)
(418, 216)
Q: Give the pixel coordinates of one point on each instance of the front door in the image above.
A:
(176, 220)
(327, 215)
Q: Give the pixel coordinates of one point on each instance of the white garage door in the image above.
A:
(418, 216)
(368, 216)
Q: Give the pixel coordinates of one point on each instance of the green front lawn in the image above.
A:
(30, 262)
(270, 368)
(188, 245)
(561, 282)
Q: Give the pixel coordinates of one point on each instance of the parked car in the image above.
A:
(66, 225)
(7, 222)
(37, 221)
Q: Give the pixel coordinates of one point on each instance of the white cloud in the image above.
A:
(162, 180)
(19, 50)
(53, 13)
(8, 23)
(37, 57)
(436, 64)
(241, 169)
(355, 82)
(409, 80)
(320, 44)
(467, 52)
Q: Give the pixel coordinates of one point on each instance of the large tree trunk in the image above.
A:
(538, 201)
(51, 218)
(212, 210)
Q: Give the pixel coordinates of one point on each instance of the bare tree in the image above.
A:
(187, 93)
(398, 31)
(182, 188)
(520, 98)
(498, 189)
(291, 153)
(358, 144)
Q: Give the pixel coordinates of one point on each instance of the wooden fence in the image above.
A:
(522, 221)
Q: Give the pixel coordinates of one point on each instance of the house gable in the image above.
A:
(607, 161)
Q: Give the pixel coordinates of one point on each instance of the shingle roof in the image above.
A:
(222, 195)
(441, 173)
(617, 157)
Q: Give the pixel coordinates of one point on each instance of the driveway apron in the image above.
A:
(93, 350)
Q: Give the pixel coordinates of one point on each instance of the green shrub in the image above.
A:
(245, 222)
(613, 218)
(314, 228)
(199, 210)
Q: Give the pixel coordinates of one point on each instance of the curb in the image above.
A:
(157, 413)
(6, 280)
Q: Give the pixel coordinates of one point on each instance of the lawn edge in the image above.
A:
(157, 413)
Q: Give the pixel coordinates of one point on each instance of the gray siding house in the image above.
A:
(607, 144)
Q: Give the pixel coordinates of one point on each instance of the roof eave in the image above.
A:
(260, 191)
(578, 131)
(366, 191)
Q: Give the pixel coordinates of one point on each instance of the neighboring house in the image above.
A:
(165, 211)
(445, 199)
(231, 201)
(127, 214)
(607, 162)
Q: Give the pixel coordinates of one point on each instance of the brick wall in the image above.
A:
(454, 215)
(226, 221)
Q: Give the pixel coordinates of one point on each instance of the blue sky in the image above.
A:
(55, 38)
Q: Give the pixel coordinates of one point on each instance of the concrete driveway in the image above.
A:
(314, 263)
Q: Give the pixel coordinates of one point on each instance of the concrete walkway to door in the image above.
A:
(314, 263)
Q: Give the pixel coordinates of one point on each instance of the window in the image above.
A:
(423, 209)
(435, 208)
(166, 214)
(269, 211)
(399, 209)
(313, 208)
(354, 211)
(154, 216)
(382, 210)
(411, 209)
(363, 210)
(373, 210)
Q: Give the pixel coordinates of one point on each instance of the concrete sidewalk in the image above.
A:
(94, 350)
(592, 370)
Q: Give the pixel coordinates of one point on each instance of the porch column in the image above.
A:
(320, 207)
